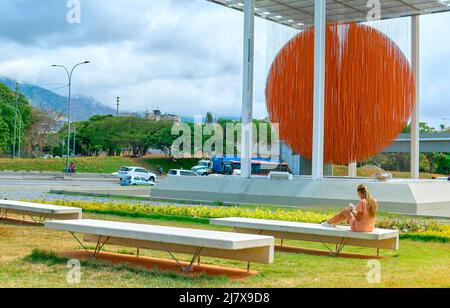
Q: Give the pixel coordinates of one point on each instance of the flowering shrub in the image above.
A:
(198, 211)
(423, 227)
(407, 225)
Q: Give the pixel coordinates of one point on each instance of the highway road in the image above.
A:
(32, 190)
(39, 189)
(56, 183)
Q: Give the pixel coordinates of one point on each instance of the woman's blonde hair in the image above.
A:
(372, 203)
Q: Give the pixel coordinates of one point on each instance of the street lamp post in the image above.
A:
(74, 139)
(69, 76)
(19, 133)
(16, 102)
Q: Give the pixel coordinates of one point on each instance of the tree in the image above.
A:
(424, 128)
(121, 134)
(432, 160)
(8, 105)
(42, 124)
(209, 118)
(162, 139)
(443, 163)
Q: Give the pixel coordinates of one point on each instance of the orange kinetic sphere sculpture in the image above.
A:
(369, 96)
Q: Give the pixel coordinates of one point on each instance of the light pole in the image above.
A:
(16, 98)
(69, 76)
(74, 139)
(19, 133)
(118, 105)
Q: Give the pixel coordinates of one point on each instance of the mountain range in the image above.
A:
(83, 107)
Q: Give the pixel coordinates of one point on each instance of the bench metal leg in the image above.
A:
(79, 242)
(191, 264)
(98, 247)
(36, 219)
(339, 247)
(40, 220)
(43, 219)
(3, 214)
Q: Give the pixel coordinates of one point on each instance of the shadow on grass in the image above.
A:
(50, 258)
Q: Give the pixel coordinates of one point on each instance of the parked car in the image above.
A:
(178, 172)
(204, 168)
(136, 171)
(136, 180)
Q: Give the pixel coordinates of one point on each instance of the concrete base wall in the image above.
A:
(404, 197)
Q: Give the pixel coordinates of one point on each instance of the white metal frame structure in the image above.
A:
(415, 120)
(317, 13)
(247, 89)
(300, 13)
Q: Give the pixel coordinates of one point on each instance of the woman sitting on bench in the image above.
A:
(362, 217)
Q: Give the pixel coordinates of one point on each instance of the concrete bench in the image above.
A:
(39, 213)
(222, 245)
(341, 236)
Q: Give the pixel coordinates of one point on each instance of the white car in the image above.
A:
(125, 172)
(178, 172)
(136, 180)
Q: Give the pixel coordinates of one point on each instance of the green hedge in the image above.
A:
(417, 228)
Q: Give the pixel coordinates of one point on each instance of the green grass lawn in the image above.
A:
(93, 164)
(416, 264)
(83, 164)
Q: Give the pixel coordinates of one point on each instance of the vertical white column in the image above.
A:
(353, 170)
(247, 89)
(320, 17)
(415, 120)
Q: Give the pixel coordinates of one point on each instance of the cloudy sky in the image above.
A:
(184, 56)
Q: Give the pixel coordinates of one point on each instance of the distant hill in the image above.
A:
(83, 107)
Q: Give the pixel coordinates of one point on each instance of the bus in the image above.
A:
(259, 166)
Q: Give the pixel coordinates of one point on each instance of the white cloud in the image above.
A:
(183, 56)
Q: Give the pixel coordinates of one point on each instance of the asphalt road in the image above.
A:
(32, 190)
(56, 183)
(39, 189)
